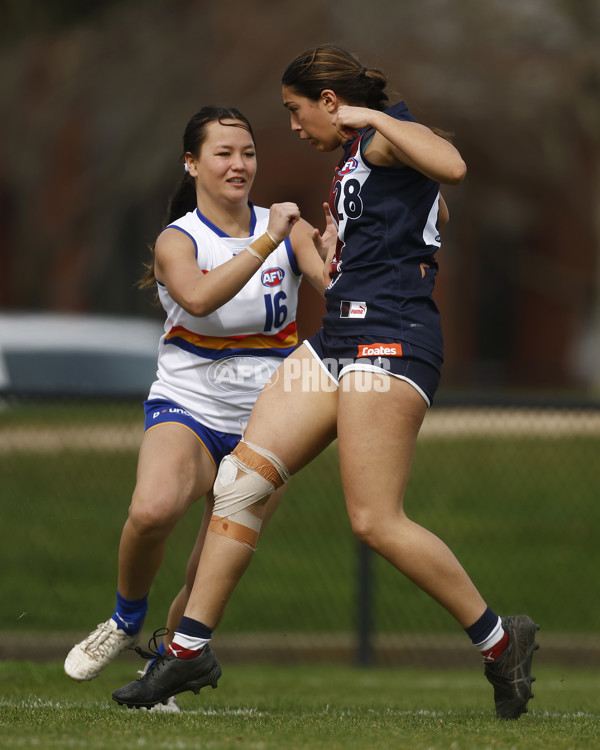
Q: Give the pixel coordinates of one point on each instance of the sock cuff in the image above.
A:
(493, 638)
(194, 628)
(481, 630)
(129, 614)
(131, 606)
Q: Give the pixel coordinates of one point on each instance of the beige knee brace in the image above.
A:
(245, 476)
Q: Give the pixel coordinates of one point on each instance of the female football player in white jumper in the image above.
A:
(228, 274)
(381, 348)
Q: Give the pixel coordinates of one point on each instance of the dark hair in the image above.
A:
(183, 200)
(330, 67)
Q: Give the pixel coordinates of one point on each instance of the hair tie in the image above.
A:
(363, 70)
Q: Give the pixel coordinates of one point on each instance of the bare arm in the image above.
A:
(308, 259)
(202, 293)
(403, 143)
(312, 249)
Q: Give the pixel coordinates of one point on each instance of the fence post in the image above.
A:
(364, 601)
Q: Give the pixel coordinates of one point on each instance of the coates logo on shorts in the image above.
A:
(348, 167)
(241, 374)
(272, 276)
(379, 350)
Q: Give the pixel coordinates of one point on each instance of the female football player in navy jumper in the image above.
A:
(368, 376)
(231, 320)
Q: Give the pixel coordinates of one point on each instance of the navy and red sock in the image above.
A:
(488, 635)
(190, 638)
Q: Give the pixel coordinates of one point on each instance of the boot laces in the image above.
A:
(100, 641)
(153, 645)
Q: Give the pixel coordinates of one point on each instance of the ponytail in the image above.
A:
(329, 67)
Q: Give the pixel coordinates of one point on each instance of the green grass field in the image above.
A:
(521, 512)
(300, 707)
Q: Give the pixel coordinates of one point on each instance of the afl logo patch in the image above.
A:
(348, 167)
(272, 276)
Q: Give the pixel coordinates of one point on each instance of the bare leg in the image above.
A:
(179, 604)
(374, 482)
(174, 470)
(295, 423)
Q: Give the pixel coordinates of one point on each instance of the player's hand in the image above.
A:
(349, 120)
(327, 241)
(282, 217)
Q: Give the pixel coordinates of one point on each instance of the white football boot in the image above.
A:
(87, 659)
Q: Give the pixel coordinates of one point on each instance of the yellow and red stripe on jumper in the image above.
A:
(216, 347)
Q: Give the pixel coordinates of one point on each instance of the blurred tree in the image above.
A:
(22, 18)
(94, 98)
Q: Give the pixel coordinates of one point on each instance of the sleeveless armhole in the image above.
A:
(366, 139)
(292, 258)
(183, 231)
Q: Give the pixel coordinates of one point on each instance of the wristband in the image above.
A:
(262, 247)
(251, 250)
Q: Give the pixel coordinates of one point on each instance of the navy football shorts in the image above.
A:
(217, 444)
(339, 355)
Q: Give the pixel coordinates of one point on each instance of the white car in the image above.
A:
(56, 354)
